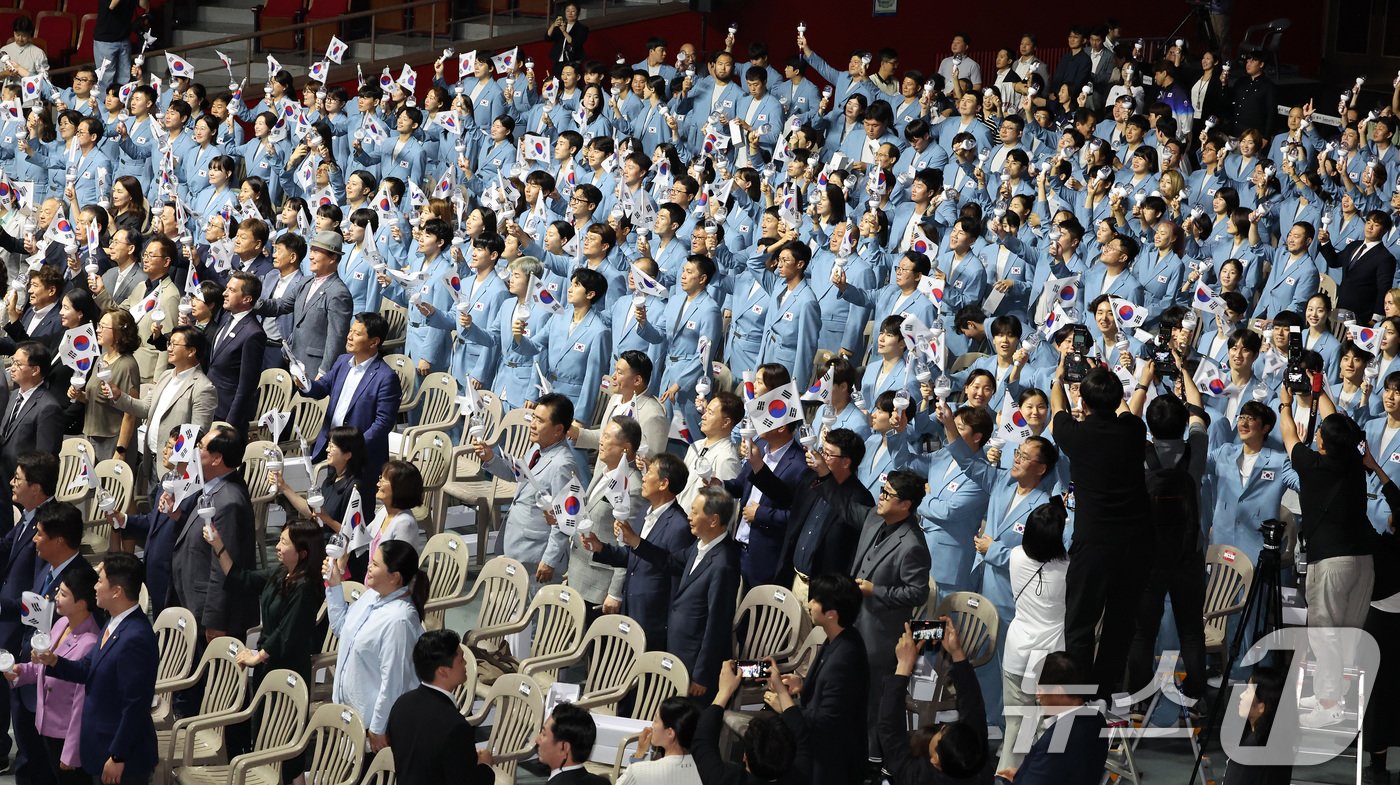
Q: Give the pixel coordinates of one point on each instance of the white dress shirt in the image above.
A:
(155, 436)
(353, 377)
(702, 548)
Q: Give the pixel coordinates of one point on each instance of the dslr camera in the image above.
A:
(1295, 373)
(1162, 358)
(1077, 363)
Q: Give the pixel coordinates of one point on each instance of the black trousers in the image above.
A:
(1105, 581)
(1182, 575)
(54, 748)
(31, 763)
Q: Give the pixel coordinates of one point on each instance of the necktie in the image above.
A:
(107, 633)
(1359, 250)
(48, 581)
(14, 410)
(534, 459)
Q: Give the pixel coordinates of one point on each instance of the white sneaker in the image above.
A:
(1309, 703)
(1322, 717)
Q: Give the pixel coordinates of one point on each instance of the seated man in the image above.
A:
(565, 743)
(771, 743)
(1071, 748)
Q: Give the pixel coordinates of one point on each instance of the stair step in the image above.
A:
(228, 19)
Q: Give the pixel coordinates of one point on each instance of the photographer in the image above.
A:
(1338, 540)
(1111, 542)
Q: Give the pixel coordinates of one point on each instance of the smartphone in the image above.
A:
(753, 670)
(930, 630)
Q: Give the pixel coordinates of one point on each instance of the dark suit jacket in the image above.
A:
(374, 410)
(121, 683)
(1081, 760)
(432, 741)
(234, 366)
(197, 581)
(699, 628)
(38, 427)
(21, 565)
(768, 532)
(259, 265)
(647, 593)
(715, 770)
(898, 567)
(577, 777)
(825, 513)
(157, 532)
(49, 331)
(834, 699)
(1363, 287)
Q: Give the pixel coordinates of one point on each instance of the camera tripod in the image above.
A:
(1261, 615)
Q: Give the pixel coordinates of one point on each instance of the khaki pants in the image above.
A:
(1339, 594)
(1012, 697)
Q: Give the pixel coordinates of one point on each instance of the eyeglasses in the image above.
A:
(172, 345)
(886, 493)
(831, 456)
(1020, 456)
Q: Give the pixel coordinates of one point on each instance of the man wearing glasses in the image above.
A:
(1015, 493)
(182, 395)
(891, 569)
(32, 420)
(124, 278)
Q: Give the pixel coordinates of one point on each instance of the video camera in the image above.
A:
(1162, 357)
(1295, 373)
(1077, 363)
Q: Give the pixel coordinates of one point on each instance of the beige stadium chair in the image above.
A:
(279, 704)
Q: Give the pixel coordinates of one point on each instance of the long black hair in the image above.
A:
(402, 558)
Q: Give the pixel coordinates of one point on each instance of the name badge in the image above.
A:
(1269, 474)
(578, 347)
(787, 317)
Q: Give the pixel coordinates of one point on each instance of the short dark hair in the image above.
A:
(376, 326)
(836, 592)
(1102, 391)
(1166, 417)
(1060, 670)
(631, 430)
(574, 726)
(252, 285)
(592, 282)
(769, 746)
(561, 409)
(672, 470)
(639, 362)
(1044, 537)
(126, 572)
(681, 716)
(1260, 412)
(82, 584)
(41, 469)
(297, 244)
(228, 442)
(61, 521)
(730, 405)
(434, 649)
(849, 443)
(908, 486)
(195, 339)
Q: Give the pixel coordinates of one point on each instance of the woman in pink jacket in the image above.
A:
(60, 710)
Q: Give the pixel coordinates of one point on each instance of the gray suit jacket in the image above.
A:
(197, 581)
(899, 568)
(594, 580)
(319, 324)
(194, 403)
(37, 427)
(115, 295)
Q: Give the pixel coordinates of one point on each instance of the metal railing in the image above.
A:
(429, 36)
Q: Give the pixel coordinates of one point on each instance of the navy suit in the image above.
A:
(120, 677)
(157, 533)
(374, 410)
(648, 589)
(49, 331)
(702, 610)
(768, 531)
(1081, 760)
(21, 565)
(235, 363)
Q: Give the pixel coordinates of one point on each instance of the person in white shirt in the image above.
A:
(669, 737)
(714, 455)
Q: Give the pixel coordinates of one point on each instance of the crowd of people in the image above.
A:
(1036, 337)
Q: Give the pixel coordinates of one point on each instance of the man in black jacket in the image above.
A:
(957, 752)
(1252, 97)
(565, 742)
(1071, 749)
(1368, 264)
(431, 740)
(833, 694)
(828, 503)
(774, 745)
